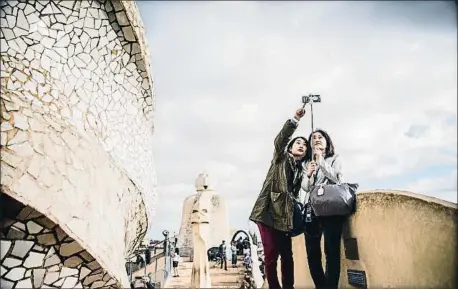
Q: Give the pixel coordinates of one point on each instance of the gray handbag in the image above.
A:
(333, 199)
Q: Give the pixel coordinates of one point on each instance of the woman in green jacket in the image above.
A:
(273, 210)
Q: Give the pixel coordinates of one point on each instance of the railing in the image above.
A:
(160, 266)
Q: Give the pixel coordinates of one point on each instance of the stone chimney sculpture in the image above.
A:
(218, 216)
(200, 222)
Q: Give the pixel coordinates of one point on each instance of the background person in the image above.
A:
(234, 254)
(247, 261)
(222, 254)
(246, 246)
(176, 261)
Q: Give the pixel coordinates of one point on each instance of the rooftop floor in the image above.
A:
(219, 277)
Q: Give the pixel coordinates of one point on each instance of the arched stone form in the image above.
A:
(76, 123)
(257, 276)
(243, 232)
(37, 253)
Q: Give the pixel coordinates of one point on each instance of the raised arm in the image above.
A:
(282, 139)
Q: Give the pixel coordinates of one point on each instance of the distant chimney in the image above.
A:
(202, 182)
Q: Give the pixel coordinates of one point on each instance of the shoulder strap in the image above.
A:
(335, 156)
(315, 177)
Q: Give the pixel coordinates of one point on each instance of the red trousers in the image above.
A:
(277, 243)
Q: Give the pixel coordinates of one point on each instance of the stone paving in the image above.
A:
(219, 277)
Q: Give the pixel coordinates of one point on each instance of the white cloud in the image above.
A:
(443, 187)
(228, 74)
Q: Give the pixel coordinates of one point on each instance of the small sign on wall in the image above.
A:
(357, 278)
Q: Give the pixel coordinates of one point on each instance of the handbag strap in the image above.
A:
(314, 182)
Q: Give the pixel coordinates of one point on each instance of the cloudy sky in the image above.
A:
(228, 74)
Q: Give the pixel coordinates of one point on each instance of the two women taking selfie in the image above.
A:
(294, 165)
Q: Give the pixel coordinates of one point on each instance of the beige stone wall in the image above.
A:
(77, 121)
(219, 227)
(185, 233)
(404, 241)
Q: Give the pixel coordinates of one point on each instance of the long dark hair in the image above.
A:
(290, 145)
(329, 144)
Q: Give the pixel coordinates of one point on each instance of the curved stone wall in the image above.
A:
(398, 239)
(77, 121)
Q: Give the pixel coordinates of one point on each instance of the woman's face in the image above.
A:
(319, 141)
(299, 148)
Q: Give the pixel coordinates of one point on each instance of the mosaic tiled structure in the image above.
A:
(77, 124)
(37, 253)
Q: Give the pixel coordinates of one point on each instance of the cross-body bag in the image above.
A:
(337, 199)
(298, 217)
(298, 212)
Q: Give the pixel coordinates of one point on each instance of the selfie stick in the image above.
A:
(311, 140)
(311, 98)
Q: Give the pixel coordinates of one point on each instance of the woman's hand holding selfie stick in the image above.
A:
(312, 165)
(299, 113)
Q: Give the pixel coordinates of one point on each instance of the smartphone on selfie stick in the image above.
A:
(310, 99)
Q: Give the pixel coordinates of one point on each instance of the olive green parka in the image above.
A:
(274, 206)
